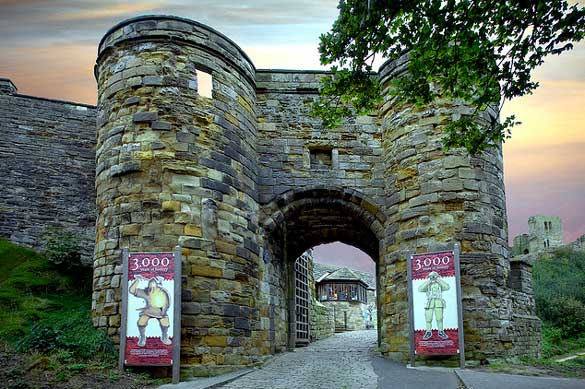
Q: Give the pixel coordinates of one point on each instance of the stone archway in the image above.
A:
(306, 217)
(231, 179)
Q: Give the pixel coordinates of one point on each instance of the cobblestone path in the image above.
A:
(340, 361)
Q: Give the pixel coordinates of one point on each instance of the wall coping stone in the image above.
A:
(64, 102)
(7, 86)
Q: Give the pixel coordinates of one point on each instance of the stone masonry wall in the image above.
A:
(348, 315)
(544, 228)
(321, 319)
(47, 164)
(303, 203)
(245, 181)
(524, 338)
(437, 198)
(175, 168)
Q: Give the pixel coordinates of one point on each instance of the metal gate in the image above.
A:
(302, 300)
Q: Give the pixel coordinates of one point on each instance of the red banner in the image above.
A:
(149, 326)
(435, 303)
(442, 263)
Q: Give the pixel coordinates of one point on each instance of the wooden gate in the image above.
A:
(302, 300)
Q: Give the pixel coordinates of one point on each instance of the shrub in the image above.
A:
(41, 338)
(62, 249)
(559, 293)
(566, 314)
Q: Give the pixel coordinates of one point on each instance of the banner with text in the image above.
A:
(435, 303)
(149, 316)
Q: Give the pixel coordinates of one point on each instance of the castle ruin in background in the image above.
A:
(544, 232)
(245, 182)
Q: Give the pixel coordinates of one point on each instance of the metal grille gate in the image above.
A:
(302, 300)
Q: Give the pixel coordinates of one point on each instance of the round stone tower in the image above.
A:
(177, 168)
(437, 198)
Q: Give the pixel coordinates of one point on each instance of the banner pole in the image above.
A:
(124, 309)
(456, 250)
(410, 307)
(177, 317)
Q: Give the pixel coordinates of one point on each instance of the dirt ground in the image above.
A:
(24, 371)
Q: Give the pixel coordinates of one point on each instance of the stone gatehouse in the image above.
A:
(245, 181)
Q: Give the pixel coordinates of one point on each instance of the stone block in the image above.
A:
(193, 230)
(171, 205)
(130, 229)
(152, 80)
(141, 117)
(206, 271)
(160, 125)
(216, 340)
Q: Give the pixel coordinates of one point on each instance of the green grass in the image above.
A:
(554, 344)
(38, 302)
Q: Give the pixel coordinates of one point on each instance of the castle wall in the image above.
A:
(521, 245)
(47, 152)
(325, 206)
(245, 181)
(438, 197)
(287, 135)
(321, 316)
(176, 168)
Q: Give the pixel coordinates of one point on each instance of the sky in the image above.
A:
(48, 49)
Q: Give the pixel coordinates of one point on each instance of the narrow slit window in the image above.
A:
(204, 84)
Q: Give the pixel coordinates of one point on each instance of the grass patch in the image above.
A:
(31, 290)
(558, 280)
(554, 344)
(43, 309)
(46, 331)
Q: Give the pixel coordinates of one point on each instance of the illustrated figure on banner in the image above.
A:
(157, 302)
(434, 287)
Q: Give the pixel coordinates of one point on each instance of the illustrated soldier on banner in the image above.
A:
(434, 287)
(157, 302)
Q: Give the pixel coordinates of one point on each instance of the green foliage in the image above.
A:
(559, 293)
(40, 338)
(72, 332)
(480, 52)
(43, 309)
(553, 342)
(62, 249)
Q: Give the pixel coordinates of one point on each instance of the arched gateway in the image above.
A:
(246, 180)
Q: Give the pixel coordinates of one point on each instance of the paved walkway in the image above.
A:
(345, 361)
(480, 380)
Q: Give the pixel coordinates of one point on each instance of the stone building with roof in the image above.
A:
(351, 294)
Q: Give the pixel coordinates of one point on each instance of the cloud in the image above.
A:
(103, 12)
(546, 179)
(341, 254)
(256, 21)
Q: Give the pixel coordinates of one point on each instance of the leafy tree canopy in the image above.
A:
(481, 52)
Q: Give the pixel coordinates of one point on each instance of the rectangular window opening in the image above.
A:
(204, 84)
(321, 158)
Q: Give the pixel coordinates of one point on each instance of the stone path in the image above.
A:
(481, 380)
(344, 360)
(347, 361)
